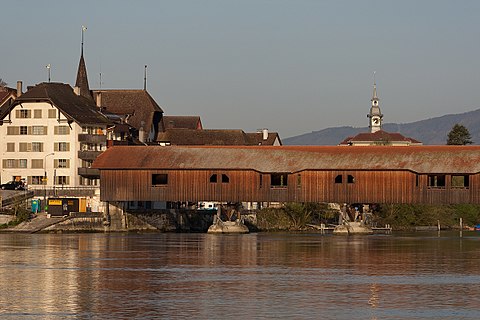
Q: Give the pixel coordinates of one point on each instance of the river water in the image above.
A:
(253, 276)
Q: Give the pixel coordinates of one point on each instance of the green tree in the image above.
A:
(459, 135)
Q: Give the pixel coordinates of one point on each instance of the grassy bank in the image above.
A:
(296, 216)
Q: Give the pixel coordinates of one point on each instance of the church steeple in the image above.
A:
(375, 116)
(82, 80)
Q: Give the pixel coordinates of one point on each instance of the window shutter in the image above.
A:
(68, 163)
(55, 163)
(29, 180)
(67, 180)
(55, 146)
(4, 163)
(17, 114)
(29, 130)
(68, 146)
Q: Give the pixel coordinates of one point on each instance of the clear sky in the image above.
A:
(292, 66)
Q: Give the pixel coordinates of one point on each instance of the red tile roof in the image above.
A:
(182, 122)
(381, 137)
(137, 103)
(420, 159)
(62, 96)
(214, 137)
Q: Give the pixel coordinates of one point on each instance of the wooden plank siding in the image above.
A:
(420, 174)
(312, 186)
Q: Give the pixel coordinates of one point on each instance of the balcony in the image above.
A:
(92, 138)
(88, 172)
(88, 155)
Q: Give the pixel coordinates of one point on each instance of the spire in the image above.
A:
(82, 79)
(375, 116)
(374, 97)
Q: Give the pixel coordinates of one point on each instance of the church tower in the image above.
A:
(82, 80)
(375, 116)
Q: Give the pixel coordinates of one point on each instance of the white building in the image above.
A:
(50, 136)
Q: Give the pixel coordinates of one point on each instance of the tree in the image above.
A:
(3, 83)
(459, 135)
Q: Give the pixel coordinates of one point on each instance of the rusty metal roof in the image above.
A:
(420, 159)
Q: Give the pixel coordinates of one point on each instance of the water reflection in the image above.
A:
(239, 276)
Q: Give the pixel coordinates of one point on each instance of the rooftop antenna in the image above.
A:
(100, 80)
(48, 66)
(83, 31)
(145, 79)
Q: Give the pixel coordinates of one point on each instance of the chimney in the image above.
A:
(141, 133)
(99, 99)
(19, 88)
(264, 134)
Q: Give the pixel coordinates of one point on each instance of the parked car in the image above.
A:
(13, 185)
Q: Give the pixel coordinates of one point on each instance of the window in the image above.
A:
(225, 178)
(23, 113)
(22, 163)
(62, 146)
(460, 181)
(61, 130)
(37, 114)
(23, 130)
(37, 146)
(62, 180)
(39, 130)
(213, 178)
(11, 131)
(10, 147)
(261, 180)
(160, 179)
(52, 113)
(35, 180)
(278, 180)
(339, 179)
(436, 181)
(37, 163)
(62, 163)
(350, 179)
(9, 163)
(24, 147)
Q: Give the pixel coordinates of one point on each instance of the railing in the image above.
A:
(89, 172)
(62, 191)
(92, 138)
(88, 155)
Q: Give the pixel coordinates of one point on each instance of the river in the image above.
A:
(253, 276)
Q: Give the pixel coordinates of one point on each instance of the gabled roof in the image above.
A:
(420, 159)
(213, 137)
(379, 137)
(137, 103)
(7, 94)
(61, 95)
(256, 138)
(182, 122)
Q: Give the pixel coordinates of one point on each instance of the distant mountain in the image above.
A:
(432, 131)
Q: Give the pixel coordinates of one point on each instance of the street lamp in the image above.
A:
(45, 179)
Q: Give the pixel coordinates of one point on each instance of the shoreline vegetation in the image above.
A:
(401, 217)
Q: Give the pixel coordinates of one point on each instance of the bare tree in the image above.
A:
(3, 83)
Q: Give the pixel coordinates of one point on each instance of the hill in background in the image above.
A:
(432, 131)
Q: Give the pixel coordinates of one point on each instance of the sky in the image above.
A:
(292, 66)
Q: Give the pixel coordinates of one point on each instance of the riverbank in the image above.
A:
(291, 217)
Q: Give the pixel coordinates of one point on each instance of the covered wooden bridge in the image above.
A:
(376, 174)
